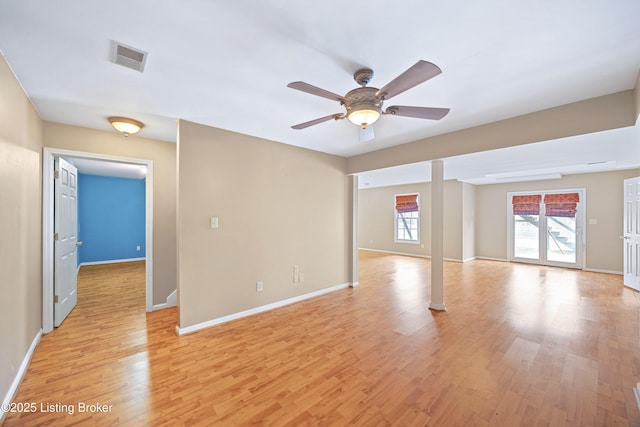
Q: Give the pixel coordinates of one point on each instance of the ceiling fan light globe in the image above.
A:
(364, 117)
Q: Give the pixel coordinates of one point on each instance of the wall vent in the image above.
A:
(128, 56)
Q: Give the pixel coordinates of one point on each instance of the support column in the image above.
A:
(437, 235)
(352, 249)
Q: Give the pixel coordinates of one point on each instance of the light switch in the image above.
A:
(593, 221)
(214, 222)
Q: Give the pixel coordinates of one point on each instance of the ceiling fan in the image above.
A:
(364, 104)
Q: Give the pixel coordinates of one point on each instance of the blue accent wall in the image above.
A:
(111, 218)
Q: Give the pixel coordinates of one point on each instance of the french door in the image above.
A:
(546, 227)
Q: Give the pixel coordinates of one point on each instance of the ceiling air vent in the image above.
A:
(128, 56)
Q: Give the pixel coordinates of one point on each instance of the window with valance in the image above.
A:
(407, 223)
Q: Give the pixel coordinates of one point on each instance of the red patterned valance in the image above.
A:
(564, 205)
(407, 203)
(526, 205)
(528, 198)
(562, 198)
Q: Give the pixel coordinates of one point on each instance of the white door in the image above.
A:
(65, 240)
(632, 233)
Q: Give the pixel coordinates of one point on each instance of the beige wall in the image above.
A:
(278, 206)
(468, 225)
(636, 94)
(21, 222)
(476, 217)
(376, 219)
(604, 198)
(163, 155)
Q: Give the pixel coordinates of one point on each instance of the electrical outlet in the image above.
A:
(259, 286)
(138, 248)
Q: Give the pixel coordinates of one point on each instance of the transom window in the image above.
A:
(407, 218)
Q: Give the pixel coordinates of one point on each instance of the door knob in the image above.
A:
(78, 243)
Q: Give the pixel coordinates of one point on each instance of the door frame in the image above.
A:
(581, 236)
(48, 158)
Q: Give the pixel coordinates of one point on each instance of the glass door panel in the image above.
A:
(526, 236)
(561, 239)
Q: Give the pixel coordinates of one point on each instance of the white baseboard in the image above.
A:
(492, 259)
(596, 270)
(112, 261)
(394, 253)
(172, 301)
(416, 255)
(20, 374)
(256, 310)
(437, 307)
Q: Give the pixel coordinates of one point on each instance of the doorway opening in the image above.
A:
(48, 166)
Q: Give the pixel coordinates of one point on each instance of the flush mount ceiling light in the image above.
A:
(125, 125)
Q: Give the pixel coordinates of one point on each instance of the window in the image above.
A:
(407, 219)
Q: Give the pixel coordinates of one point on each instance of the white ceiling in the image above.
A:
(596, 152)
(227, 64)
(108, 168)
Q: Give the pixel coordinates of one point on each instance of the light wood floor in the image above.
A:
(518, 345)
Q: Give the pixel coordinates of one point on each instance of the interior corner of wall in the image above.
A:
(636, 93)
(172, 299)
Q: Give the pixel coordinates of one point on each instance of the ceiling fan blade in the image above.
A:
(313, 90)
(418, 112)
(317, 121)
(420, 72)
(366, 134)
